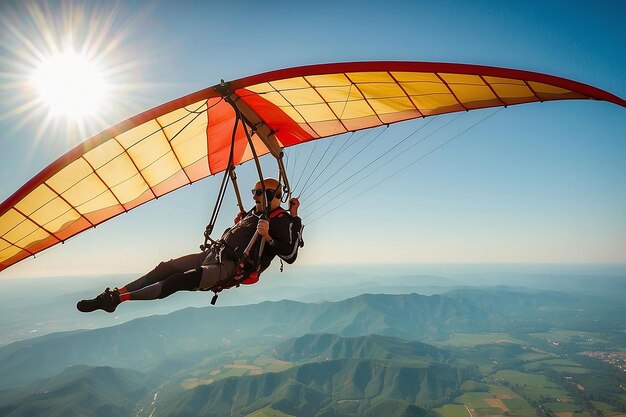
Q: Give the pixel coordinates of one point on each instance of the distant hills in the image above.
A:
(143, 343)
(361, 376)
(336, 376)
(78, 391)
(320, 388)
(357, 357)
(330, 346)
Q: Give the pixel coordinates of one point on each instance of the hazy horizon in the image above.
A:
(35, 306)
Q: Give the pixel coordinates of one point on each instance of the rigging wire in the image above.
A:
(346, 144)
(296, 153)
(331, 142)
(349, 142)
(403, 152)
(339, 124)
(329, 196)
(286, 158)
(343, 144)
(349, 161)
(357, 140)
(334, 135)
(306, 165)
(388, 151)
(404, 167)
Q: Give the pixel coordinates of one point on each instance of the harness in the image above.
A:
(248, 267)
(247, 271)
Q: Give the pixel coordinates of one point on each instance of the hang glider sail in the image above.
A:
(190, 138)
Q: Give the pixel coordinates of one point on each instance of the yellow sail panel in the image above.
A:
(417, 77)
(149, 150)
(380, 91)
(122, 178)
(104, 154)
(328, 127)
(552, 92)
(116, 170)
(293, 114)
(184, 122)
(55, 215)
(189, 149)
(384, 106)
(130, 189)
(188, 142)
(261, 88)
(352, 109)
(137, 134)
(328, 80)
(32, 237)
(70, 176)
(276, 98)
(296, 83)
(35, 200)
(161, 169)
(8, 251)
(432, 105)
(415, 88)
(316, 113)
(340, 94)
(370, 77)
(90, 194)
(19, 227)
(511, 91)
(302, 97)
(46, 209)
(9, 221)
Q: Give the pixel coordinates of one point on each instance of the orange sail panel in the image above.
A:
(188, 139)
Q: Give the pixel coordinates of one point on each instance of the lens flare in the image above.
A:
(69, 70)
(70, 85)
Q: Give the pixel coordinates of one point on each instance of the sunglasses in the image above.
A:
(259, 191)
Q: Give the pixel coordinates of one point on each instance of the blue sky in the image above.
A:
(539, 183)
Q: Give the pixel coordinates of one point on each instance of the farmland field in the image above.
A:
(472, 339)
(524, 379)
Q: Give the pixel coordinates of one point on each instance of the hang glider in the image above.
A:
(206, 132)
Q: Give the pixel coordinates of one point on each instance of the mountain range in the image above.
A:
(357, 357)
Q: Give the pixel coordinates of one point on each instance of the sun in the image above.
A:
(71, 69)
(70, 85)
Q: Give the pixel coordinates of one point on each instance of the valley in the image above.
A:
(480, 352)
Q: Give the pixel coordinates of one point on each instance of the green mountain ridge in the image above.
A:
(346, 376)
(78, 391)
(143, 343)
(308, 389)
(384, 376)
(358, 357)
(330, 346)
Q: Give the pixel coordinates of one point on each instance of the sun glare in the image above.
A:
(70, 85)
(71, 69)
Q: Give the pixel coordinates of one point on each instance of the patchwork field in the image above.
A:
(472, 339)
(238, 367)
(523, 379)
(497, 401)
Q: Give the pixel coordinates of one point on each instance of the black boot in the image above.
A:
(107, 301)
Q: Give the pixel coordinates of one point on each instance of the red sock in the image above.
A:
(124, 294)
